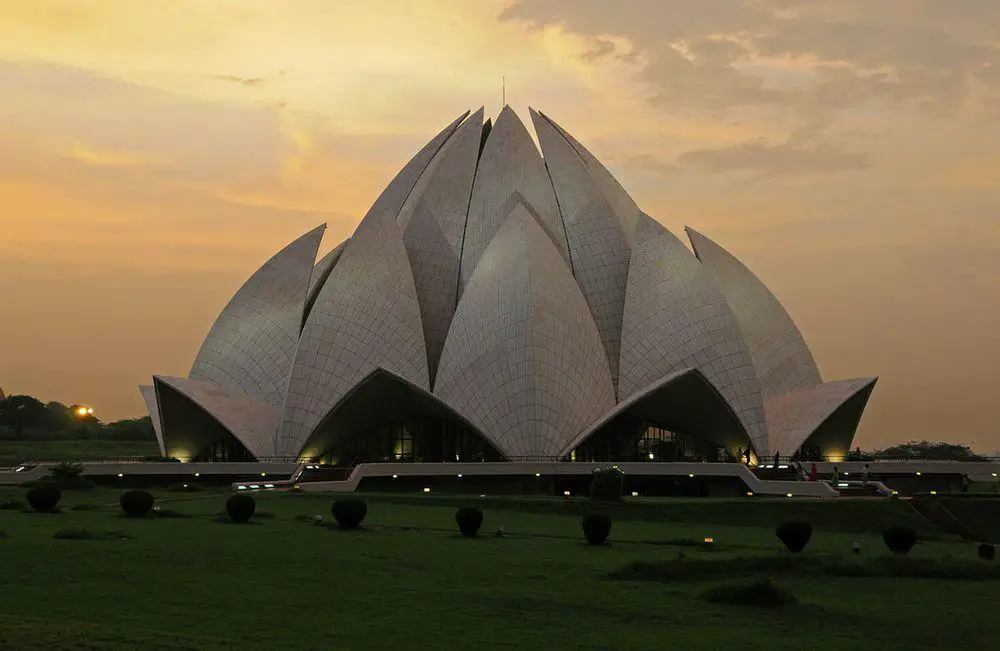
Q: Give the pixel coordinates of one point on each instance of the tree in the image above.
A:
(928, 450)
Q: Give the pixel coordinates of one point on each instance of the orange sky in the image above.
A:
(154, 154)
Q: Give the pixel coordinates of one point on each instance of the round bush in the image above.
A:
(240, 507)
(608, 485)
(136, 504)
(795, 535)
(43, 498)
(987, 552)
(596, 527)
(349, 512)
(899, 539)
(469, 519)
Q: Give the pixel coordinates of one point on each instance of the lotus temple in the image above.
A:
(499, 303)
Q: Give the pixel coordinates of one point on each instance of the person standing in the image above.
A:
(813, 473)
(836, 475)
(864, 476)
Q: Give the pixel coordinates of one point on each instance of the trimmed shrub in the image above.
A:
(469, 519)
(240, 507)
(43, 499)
(349, 512)
(608, 484)
(899, 539)
(596, 527)
(759, 594)
(136, 504)
(987, 552)
(795, 535)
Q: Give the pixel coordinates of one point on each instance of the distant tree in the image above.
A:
(930, 450)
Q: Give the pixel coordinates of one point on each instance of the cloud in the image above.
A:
(243, 81)
(724, 55)
(782, 159)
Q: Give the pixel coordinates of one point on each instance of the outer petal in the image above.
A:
(319, 275)
(780, 354)
(523, 360)
(684, 399)
(676, 318)
(366, 316)
(598, 247)
(251, 346)
(380, 396)
(826, 416)
(394, 195)
(510, 172)
(197, 413)
(622, 204)
(149, 397)
(433, 224)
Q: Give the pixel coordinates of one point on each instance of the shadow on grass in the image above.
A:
(760, 593)
(87, 534)
(881, 567)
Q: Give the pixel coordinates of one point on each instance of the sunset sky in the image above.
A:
(154, 153)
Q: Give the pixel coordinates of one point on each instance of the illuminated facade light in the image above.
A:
(788, 495)
(749, 493)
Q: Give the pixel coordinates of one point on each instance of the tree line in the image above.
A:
(26, 418)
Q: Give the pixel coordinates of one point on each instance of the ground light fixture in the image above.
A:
(709, 540)
(788, 495)
(566, 493)
(427, 489)
(635, 493)
(749, 493)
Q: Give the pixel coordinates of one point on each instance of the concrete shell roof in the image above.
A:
(524, 360)
(531, 295)
(251, 346)
(676, 318)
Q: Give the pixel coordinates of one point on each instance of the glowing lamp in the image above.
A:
(427, 490)
(709, 540)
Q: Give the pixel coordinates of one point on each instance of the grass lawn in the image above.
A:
(409, 581)
(12, 452)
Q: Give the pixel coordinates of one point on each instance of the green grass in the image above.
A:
(408, 580)
(13, 452)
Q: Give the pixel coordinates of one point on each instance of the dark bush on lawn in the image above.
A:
(795, 535)
(596, 527)
(349, 512)
(240, 507)
(899, 539)
(608, 484)
(136, 504)
(759, 594)
(987, 552)
(469, 519)
(44, 498)
(11, 505)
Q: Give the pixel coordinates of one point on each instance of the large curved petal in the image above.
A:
(394, 195)
(319, 275)
(523, 360)
(624, 208)
(683, 400)
(825, 416)
(783, 360)
(433, 225)
(366, 316)
(598, 247)
(196, 413)
(510, 172)
(675, 318)
(149, 398)
(251, 345)
(380, 397)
